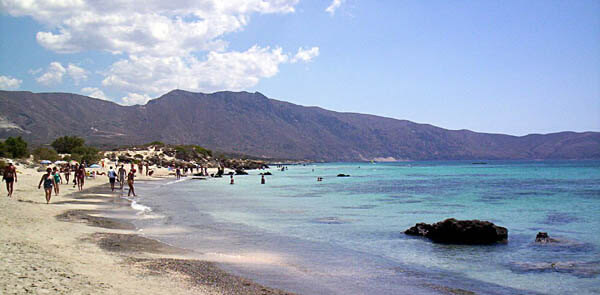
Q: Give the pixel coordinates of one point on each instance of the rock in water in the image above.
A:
(452, 231)
(543, 238)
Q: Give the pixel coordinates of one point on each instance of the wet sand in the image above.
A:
(71, 247)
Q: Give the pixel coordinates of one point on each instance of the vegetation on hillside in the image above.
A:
(66, 144)
(44, 153)
(14, 148)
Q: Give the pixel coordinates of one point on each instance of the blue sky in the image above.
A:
(514, 67)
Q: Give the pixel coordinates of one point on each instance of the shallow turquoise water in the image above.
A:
(345, 234)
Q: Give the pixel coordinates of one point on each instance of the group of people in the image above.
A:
(119, 176)
(51, 180)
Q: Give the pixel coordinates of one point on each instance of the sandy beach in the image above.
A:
(71, 247)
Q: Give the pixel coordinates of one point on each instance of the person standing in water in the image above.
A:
(262, 179)
(231, 179)
(48, 181)
(130, 178)
(122, 173)
(57, 179)
(112, 177)
(10, 176)
(178, 172)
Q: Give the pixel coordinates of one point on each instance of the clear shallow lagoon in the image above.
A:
(344, 235)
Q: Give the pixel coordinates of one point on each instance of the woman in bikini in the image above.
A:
(130, 178)
(80, 177)
(67, 173)
(48, 181)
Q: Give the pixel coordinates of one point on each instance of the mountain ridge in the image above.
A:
(253, 124)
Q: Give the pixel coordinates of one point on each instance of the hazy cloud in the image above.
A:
(305, 55)
(335, 4)
(9, 83)
(94, 92)
(76, 73)
(135, 98)
(53, 74)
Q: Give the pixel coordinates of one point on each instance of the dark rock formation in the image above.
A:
(452, 231)
(240, 172)
(543, 238)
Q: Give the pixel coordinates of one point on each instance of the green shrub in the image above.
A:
(15, 147)
(66, 144)
(87, 154)
(44, 153)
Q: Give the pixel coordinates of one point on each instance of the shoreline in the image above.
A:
(71, 246)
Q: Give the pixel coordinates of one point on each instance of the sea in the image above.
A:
(344, 235)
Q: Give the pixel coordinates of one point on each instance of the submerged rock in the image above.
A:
(580, 269)
(240, 172)
(452, 231)
(543, 238)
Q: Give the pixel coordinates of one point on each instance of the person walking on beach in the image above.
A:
(231, 181)
(122, 176)
(48, 181)
(262, 179)
(178, 173)
(112, 177)
(130, 178)
(146, 168)
(80, 177)
(67, 173)
(10, 176)
(57, 179)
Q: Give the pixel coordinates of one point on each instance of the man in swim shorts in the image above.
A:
(10, 176)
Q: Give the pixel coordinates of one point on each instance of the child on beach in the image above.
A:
(48, 181)
(10, 176)
(57, 180)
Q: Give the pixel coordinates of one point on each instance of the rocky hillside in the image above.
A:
(250, 123)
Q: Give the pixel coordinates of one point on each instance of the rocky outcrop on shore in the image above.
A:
(469, 232)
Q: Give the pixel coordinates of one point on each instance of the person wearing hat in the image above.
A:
(10, 176)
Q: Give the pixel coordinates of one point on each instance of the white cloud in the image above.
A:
(94, 92)
(162, 44)
(154, 27)
(9, 83)
(306, 55)
(77, 74)
(53, 74)
(220, 71)
(135, 98)
(335, 4)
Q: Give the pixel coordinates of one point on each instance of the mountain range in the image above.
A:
(252, 124)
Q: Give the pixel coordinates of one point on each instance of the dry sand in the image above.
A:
(67, 247)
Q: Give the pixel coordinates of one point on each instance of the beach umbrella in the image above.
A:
(60, 162)
(45, 162)
(73, 162)
(94, 166)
